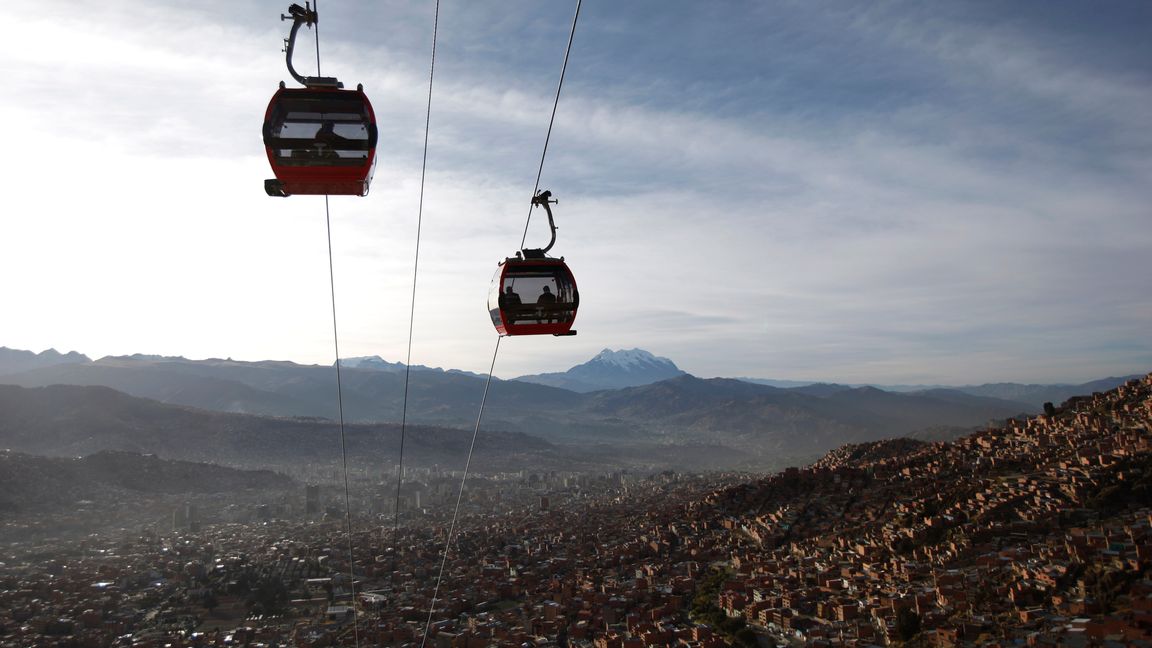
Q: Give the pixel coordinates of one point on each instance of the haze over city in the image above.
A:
(895, 193)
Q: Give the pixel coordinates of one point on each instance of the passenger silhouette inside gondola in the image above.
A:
(546, 305)
(509, 299)
(327, 132)
(546, 298)
(329, 140)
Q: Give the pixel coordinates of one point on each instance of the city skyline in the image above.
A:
(889, 194)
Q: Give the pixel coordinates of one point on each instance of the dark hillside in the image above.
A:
(75, 421)
(1010, 531)
(33, 483)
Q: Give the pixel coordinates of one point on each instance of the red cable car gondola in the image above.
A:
(320, 139)
(532, 293)
(533, 296)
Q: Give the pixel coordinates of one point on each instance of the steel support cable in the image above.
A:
(339, 388)
(343, 444)
(415, 272)
(316, 9)
(551, 120)
(459, 497)
(496, 351)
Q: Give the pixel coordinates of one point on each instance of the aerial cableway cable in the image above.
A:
(339, 392)
(340, 402)
(551, 120)
(484, 398)
(459, 498)
(415, 272)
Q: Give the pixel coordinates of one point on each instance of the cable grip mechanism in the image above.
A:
(544, 199)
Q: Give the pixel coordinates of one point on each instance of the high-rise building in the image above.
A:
(185, 517)
(311, 499)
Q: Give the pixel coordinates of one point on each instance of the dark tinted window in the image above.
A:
(538, 295)
(320, 130)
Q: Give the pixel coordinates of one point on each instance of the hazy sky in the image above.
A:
(944, 192)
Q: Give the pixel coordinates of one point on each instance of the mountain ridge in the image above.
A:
(754, 419)
(70, 421)
(1033, 394)
(17, 360)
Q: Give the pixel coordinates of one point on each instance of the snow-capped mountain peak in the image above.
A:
(630, 358)
(374, 362)
(611, 370)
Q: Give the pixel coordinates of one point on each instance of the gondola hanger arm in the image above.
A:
(544, 199)
(305, 15)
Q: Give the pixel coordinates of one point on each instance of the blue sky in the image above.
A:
(892, 192)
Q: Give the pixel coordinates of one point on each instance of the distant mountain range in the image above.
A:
(73, 421)
(1040, 394)
(607, 370)
(744, 421)
(1034, 395)
(376, 363)
(14, 360)
(275, 388)
(736, 418)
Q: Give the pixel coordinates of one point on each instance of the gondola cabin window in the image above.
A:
(307, 133)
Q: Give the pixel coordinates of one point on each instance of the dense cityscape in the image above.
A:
(1037, 531)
